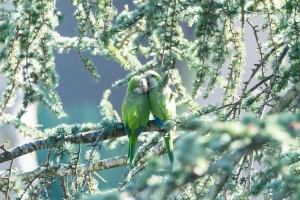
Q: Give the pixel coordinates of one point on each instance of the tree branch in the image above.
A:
(284, 101)
(80, 138)
(64, 169)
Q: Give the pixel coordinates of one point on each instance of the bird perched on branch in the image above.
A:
(162, 106)
(135, 112)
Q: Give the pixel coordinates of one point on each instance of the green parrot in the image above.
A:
(162, 105)
(135, 112)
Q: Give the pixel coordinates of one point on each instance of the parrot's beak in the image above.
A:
(144, 85)
(145, 89)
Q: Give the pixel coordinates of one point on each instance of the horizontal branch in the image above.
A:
(64, 169)
(80, 138)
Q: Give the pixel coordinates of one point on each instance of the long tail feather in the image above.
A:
(169, 146)
(131, 149)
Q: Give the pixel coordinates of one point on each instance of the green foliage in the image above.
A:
(222, 152)
(106, 108)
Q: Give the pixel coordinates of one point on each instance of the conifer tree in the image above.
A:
(242, 145)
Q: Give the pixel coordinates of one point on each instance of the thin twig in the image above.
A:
(273, 80)
(102, 179)
(8, 179)
(135, 172)
(64, 187)
(94, 144)
(249, 178)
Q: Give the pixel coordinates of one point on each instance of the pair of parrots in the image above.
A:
(144, 93)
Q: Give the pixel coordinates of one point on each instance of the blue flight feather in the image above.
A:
(127, 130)
(159, 122)
(140, 130)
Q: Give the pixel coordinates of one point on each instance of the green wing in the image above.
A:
(163, 107)
(135, 115)
(135, 110)
(162, 103)
(143, 109)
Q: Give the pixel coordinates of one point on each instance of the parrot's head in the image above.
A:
(153, 78)
(138, 84)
